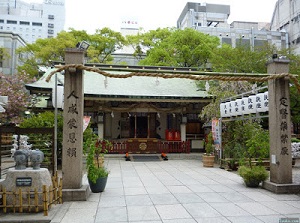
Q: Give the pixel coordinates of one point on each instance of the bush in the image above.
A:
(255, 174)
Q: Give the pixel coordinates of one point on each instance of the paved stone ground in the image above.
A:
(174, 191)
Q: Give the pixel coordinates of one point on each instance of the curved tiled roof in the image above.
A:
(94, 86)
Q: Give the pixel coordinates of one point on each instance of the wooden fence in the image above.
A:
(122, 147)
(36, 201)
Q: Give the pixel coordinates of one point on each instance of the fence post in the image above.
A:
(45, 200)
(4, 200)
(20, 200)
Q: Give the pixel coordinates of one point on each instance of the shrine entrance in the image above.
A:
(278, 80)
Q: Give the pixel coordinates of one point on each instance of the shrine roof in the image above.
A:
(98, 86)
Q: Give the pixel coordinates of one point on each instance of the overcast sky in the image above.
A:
(90, 15)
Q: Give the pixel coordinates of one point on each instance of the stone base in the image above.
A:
(37, 178)
(80, 194)
(292, 188)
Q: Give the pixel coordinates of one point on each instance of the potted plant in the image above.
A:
(253, 175)
(253, 172)
(208, 157)
(96, 171)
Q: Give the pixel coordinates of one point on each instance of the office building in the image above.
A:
(32, 20)
(286, 18)
(212, 19)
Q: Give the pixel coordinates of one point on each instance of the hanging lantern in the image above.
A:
(244, 106)
(223, 110)
(227, 109)
(259, 102)
(231, 108)
(266, 101)
(252, 104)
(237, 106)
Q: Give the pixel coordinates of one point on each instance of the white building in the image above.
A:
(286, 18)
(10, 42)
(129, 26)
(32, 20)
(212, 19)
(203, 15)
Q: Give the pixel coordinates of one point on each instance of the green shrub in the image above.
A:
(254, 173)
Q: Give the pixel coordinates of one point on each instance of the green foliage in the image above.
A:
(175, 47)
(241, 59)
(45, 120)
(256, 174)
(245, 141)
(221, 90)
(97, 149)
(295, 140)
(209, 144)
(103, 43)
(258, 145)
(4, 54)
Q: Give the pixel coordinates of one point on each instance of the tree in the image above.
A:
(103, 43)
(13, 86)
(241, 59)
(294, 93)
(174, 47)
(40, 53)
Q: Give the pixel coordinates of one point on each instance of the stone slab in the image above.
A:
(80, 194)
(293, 188)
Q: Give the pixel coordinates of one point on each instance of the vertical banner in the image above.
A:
(216, 132)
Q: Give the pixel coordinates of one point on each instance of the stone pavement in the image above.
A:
(174, 191)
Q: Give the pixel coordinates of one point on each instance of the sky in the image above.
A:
(90, 15)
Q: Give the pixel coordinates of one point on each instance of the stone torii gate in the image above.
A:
(279, 121)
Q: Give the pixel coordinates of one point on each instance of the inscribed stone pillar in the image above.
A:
(280, 124)
(73, 121)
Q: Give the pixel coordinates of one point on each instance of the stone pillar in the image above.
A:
(73, 121)
(280, 124)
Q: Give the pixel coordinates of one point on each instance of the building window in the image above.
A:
(50, 16)
(11, 22)
(50, 25)
(1, 27)
(50, 31)
(24, 23)
(1, 21)
(37, 24)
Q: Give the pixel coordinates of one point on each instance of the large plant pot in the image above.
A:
(99, 186)
(208, 161)
(252, 183)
